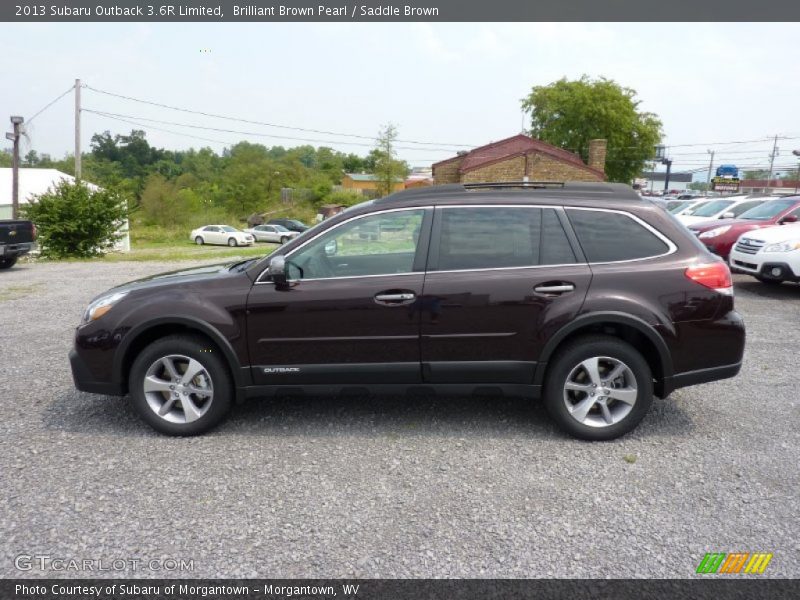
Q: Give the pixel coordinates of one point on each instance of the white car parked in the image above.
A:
(721, 208)
(272, 233)
(224, 235)
(771, 255)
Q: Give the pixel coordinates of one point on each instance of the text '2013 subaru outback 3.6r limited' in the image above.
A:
(582, 294)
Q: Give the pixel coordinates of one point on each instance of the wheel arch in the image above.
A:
(637, 332)
(143, 335)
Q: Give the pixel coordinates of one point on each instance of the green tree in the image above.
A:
(74, 221)
(387, 168)
(5, 158)
(569, 114)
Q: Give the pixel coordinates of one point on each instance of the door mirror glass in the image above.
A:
(331, 248)
(277, 271)
(789, 219)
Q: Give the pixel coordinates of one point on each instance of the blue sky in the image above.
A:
(442, 83)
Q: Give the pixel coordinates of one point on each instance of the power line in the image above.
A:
(266, 124)
(49, 104)
(246, 133)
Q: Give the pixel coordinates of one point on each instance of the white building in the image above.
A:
(33, 182)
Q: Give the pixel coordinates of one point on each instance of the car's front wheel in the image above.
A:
(766, 281)
(284, 239)
(180, 385)
(598, 388)
(198, 240)
(232, 242)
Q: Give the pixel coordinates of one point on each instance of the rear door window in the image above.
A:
(612, 236)
(500, 237)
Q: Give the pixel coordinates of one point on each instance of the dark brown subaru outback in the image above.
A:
(583, 295)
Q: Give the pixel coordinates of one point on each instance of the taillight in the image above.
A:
(716, 276)
(33, 231)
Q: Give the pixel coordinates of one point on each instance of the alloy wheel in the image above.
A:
(600, 391)
(178, 388)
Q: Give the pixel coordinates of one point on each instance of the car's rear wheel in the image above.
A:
(199, 240)
(7, 263)
(180, 385)
(598, 388)
(232, 242)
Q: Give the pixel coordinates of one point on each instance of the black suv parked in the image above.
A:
(583, 294)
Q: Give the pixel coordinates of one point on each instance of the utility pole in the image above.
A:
(772, 162)
(14, 136)
(710, 168)
(77, 129)
(797, 181)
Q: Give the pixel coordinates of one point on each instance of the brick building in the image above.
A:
(518, 157)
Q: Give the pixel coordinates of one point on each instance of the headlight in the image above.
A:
(714, 232)
(783, 246)
(101, 306)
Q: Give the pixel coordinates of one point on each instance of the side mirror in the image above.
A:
(789, 219)
(331, 248)
(277, 272)
(727, 215)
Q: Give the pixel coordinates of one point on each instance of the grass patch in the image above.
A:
(629, 458)
(184, 251)
(17, 291)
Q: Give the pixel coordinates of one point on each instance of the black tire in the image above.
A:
(232, 242)
(195, 347)
(766, 281)
(569, 357)
(7, 263)
(199, 240)
(284, 239)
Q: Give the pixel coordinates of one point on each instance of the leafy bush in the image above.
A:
(74, 221)
(345, 197)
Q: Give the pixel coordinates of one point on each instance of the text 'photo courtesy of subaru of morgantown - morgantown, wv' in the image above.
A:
(593, 299)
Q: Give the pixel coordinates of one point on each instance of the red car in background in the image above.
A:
(719, 235)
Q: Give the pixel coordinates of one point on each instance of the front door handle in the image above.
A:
(394, 297)
(554, 289)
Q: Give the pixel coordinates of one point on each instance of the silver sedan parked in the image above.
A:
(272, 233)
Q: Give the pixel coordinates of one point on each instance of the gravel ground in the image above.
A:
(390, 487)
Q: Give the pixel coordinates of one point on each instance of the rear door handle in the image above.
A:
(556, 289)
(395, 298)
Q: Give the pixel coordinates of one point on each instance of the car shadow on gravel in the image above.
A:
(363, 416)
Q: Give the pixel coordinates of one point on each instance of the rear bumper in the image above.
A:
(85, 382)
(688, 378)
(719, 356)
(12, 250)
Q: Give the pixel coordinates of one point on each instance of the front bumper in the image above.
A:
(85, 382)
(771, 265)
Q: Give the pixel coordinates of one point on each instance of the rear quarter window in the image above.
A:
(611, 236)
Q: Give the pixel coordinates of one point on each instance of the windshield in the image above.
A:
(280, 228)
(676, 208)
(712, 208)
(696, 207)
(228, 228)
(768, 210)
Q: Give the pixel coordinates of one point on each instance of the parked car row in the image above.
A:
(763, 241)
(278, 231)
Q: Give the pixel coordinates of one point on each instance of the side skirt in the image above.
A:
(389, 389)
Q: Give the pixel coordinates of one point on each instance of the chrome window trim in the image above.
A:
(321, 233)
(671, 247)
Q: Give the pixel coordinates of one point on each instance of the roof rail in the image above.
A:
(514, 184)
